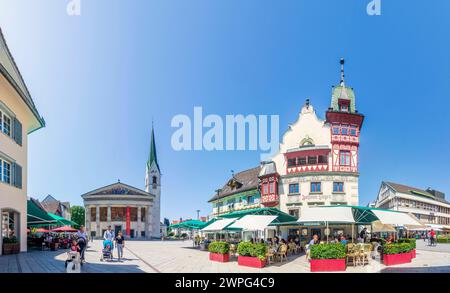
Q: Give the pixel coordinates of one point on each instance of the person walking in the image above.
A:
(120, 243)
(109, 235)
(82, 242)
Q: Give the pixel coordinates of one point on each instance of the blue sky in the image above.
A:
(100, 78)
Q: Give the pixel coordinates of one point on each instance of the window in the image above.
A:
(338, 186)
(250, 199)
(301, 160)
(312, 160)
(343, 107)
(103, 214)
(6, 124)
(154, 179)
(93, 214)
(344, 158)
(292, 162)
(265, 188)
(352, 130)
(142, 214)
(344, 130)
(6, 172)
(316, 187)
(336, 130)
(272, 187)
(133, 214)
(294, 213)
(323, 159)
(294, 188)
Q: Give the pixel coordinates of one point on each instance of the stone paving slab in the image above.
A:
(180, 257)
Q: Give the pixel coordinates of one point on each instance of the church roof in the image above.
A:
(10, 71)
(118, 188)
(239, 182)
(152, 156)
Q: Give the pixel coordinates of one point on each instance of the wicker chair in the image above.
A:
(282, 253)
(292, 248)
(270, 255)
(353, 254)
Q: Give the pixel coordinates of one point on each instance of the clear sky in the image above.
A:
(100, 78)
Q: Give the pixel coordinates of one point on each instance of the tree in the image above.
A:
(78, 215)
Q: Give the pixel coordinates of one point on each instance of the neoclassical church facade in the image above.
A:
(125, 208)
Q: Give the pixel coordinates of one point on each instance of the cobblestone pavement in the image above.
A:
(180, 257)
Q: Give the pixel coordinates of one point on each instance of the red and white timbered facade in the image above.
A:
(317, 163)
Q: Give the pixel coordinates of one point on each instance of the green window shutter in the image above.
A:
(17, 131)
(17, 175)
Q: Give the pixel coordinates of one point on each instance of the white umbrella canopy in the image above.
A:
(219, 225)
(396, 218)
(377, 226)
(327, 214)
(253, 222)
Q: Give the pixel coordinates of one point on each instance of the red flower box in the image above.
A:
(219, 257)
(249, 261)
(327, 265)
(413, 253)
(396, 259)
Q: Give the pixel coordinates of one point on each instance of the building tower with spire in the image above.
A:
(153, 186)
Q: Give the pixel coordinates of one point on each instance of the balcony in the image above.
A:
(307, 168)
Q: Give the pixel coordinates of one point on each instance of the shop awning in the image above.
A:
(253, 222)
(189, 224)
(395, 218)
(36, 216)
(62, 221)
(281, 216)
(219, 225)
(327, 215)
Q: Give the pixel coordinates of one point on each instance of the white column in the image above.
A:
(87, 220)
(148, 222)
(139, 214)
(109, 216)
(97, 222)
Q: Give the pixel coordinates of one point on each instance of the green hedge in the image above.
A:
(219, 247)
(411, 241)
(396, 248)
(327, 251)
(252, 249)
(10, 240)
(443, 239)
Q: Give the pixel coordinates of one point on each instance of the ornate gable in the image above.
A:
(117, 189)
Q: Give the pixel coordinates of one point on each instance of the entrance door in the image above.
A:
(117, 228)
(131, 233)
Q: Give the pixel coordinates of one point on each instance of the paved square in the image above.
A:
(180, 257)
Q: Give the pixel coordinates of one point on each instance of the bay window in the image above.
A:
(344, 158)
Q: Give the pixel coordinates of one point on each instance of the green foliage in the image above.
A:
(443, 239)
(252, 249)
(10, 239)
(219, 247)
(78, 215)
(327, 251)
(184, 235)
(171, 234)
(411, 241)
(396, 248)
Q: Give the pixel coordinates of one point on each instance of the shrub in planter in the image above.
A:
(252, 254)
(219, 251)
(327, 257)
(397, 253)
(412, 243)
(10, 245)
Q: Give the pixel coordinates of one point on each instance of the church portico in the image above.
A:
(122, 207)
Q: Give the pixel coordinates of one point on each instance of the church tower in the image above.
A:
(153, 186)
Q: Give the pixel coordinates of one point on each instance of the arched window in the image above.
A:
(154, 180)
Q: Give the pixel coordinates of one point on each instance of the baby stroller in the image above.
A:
(107, 250)
(73, 262)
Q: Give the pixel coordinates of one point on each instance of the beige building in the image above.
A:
(121, 206)
(18, 118)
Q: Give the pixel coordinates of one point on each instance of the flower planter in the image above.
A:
(249, 261)
(396, 259)
(219, 257)
(327, 265)
(413, 253)
(11, 248)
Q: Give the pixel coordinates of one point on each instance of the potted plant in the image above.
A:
(10, 245)
(327, 257)
(219, 251)
(396, 253)
(252, 254)
(412, 243)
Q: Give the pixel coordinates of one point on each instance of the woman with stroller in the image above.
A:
(120, 243)
(109, 235)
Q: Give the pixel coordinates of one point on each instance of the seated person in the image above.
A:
(343, 240)
(313, 241)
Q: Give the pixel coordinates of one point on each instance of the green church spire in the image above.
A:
(152, 157)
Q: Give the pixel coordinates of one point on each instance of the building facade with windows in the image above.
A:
(18, 118)
(428, 206)
(56, 207)
(126, 208)
(317, 163)
(240, 192)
